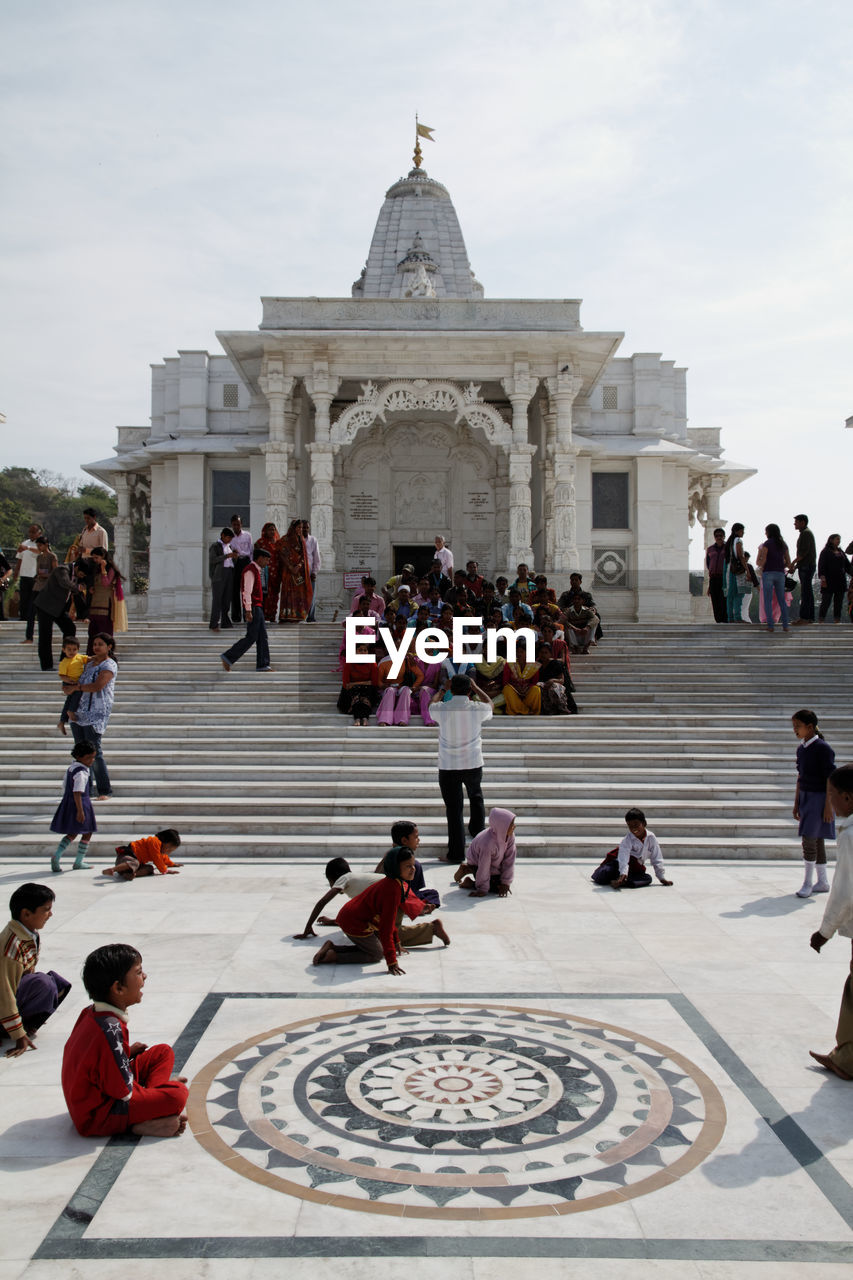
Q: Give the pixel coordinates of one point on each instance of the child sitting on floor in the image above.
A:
(27, 998)
(141, 857)
(71, 666)
(625, 867)
(491, 858)
(110, 1085)
(405, 835)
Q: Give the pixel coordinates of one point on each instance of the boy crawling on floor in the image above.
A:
(110, 1085)
(141, 857)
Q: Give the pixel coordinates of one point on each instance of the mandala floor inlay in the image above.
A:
(456, 1111)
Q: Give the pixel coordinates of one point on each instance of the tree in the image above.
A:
(54, 502)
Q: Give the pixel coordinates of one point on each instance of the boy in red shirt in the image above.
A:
(110, 1085)
(141, 857)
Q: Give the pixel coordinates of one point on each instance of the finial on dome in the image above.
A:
(421, 131)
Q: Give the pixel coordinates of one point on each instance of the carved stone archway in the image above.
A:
(420, 395)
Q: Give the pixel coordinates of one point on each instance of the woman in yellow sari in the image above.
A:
(295, 576)
(521, 691)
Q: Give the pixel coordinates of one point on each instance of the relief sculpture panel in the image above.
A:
(420, 500)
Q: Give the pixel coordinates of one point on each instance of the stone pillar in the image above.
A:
(562, 391)
(322, 456)
(712, 490)
(501, 564)
(520, 549)
(278, 389)
(520, 389)
(322, 388)
(650, 585)
(190, 576)
(123, 526)
(277, 466)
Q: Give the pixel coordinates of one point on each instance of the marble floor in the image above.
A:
(582, 1077)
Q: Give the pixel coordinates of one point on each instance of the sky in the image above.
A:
(683, 166)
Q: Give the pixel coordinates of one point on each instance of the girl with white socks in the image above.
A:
(815, 762)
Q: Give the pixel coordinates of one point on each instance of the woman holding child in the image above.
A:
(97, 685)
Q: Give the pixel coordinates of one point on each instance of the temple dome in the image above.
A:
(417, 248)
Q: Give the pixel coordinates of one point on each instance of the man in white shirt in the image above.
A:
(445, 555)
(460, 759)
(93, 535)
(243, 548)
(25, 574)
(312, 551)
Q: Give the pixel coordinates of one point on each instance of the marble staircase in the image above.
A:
(690, 722)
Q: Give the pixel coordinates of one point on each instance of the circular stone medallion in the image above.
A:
(465, 1111)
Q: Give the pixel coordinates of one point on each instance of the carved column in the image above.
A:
(520, 549)
(322, 388)
(562, 390)
(322, 455)
(519, 390)
(277, 388)
(123, 529)
(713, 490)
(549, 418)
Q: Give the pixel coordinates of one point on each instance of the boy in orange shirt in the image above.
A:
(143, 857)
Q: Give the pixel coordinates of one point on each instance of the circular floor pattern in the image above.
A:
(456, 1111)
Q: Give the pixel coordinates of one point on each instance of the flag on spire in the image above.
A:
(425, 131)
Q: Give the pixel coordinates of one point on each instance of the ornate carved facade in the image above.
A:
(418, 407)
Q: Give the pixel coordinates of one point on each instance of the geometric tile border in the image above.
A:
(456, 1111)
(67, 1238)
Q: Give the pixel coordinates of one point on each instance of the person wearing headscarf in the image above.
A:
(271, 575)
(490, 857)
(296, 590)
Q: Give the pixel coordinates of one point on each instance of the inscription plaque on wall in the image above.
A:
(361, 553)
(478, 506)
(364, 506)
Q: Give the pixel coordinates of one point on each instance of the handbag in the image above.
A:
(790, 582)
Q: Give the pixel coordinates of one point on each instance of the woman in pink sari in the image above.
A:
(296, 588)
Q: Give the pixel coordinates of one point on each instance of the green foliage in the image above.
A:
(54, 502)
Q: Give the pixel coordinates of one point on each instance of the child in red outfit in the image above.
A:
(110, 1085)
(140, 857)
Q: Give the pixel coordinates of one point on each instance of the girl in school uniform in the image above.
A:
(815, 762)
(75, 815)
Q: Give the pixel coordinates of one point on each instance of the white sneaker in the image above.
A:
(806, 891)
(821, 885)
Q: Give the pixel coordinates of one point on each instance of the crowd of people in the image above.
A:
(85, 587)
(289, 566)
(732, 576)
(112, 1085)
(517, 684)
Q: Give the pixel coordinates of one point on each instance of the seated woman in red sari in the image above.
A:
(271, 575)
(296, 589)
(359, 690)
(522, 694)
(371, 921)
